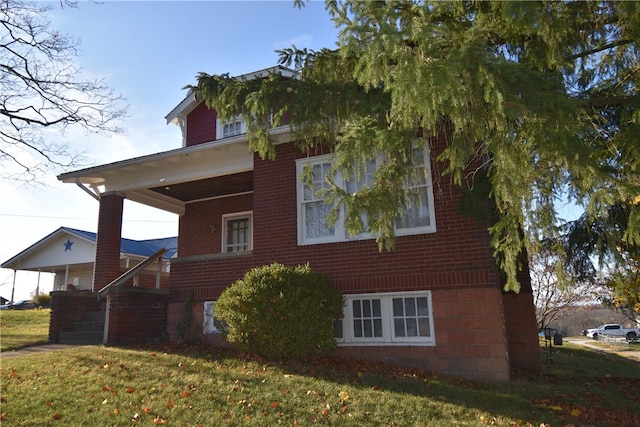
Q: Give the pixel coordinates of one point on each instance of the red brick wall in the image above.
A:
(202, 223)
(458, 255)
(455, 263)
(470, 338)
(201, 125)
(137, 315)
(107, 265)
(68, 307)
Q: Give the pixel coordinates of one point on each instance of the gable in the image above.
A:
(60, 248)
(201, 125)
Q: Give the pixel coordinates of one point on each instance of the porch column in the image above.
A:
(107, 263)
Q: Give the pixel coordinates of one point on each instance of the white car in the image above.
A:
(614, 330)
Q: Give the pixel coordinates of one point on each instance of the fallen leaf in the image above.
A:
(274, 404)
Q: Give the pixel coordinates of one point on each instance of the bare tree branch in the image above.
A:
(43, 88)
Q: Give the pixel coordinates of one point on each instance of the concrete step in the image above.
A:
(89, 326)
(86, 337)
(96, 316)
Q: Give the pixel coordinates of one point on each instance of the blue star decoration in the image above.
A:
(67, 245)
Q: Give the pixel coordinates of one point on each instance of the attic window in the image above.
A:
(227, 129)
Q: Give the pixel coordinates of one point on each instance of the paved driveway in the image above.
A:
(630, 351)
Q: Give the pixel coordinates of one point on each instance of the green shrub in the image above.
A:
(281, 312)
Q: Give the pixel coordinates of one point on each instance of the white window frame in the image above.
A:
(388, 337)
(220, 125)
(340, 234)
(234, 216)
(208, 324)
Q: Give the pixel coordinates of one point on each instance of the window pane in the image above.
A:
(237, 235)
(366, 308)
(377, 312)
(356, 308)
(357, 328)
(415, 212)
(398, 308)
(377, 327)
(412, 327)
(423, 306)
(315, 214)
(425, 327)
(398, 327)
(410, 307)
(368, 329)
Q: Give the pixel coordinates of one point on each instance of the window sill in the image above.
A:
(208, 257)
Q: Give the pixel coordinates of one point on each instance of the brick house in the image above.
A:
(434, 302)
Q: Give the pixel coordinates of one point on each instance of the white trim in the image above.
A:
(220, 124)
(236, 215)
(208, 324)
(388, 336)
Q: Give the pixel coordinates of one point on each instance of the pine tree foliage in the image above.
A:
(539, 98)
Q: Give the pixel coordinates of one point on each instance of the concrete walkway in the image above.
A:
(35, 350)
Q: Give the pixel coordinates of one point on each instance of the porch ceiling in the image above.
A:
(207, 188)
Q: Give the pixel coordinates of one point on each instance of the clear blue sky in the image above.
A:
(148, 51)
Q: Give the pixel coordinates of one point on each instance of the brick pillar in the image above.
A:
(107, 264)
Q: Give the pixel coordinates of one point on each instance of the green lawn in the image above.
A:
(189, 386)
(20, 328)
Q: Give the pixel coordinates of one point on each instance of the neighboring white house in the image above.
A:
(70, 254)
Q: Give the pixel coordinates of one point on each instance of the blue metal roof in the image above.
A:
(143, 248)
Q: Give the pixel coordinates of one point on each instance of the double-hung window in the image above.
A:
(313, 207)
(417, 216)
(418, 204)
(396, 318)
(236, 235)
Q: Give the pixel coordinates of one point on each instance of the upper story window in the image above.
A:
(227, 129)
(313, 227)
(237, 232)
(396, 318)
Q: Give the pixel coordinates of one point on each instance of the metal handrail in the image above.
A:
(132, 272)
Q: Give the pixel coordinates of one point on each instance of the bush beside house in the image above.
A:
(280, 312)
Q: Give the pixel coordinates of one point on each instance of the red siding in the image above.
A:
(201, 125)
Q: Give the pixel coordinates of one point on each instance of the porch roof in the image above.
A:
(170, 179)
